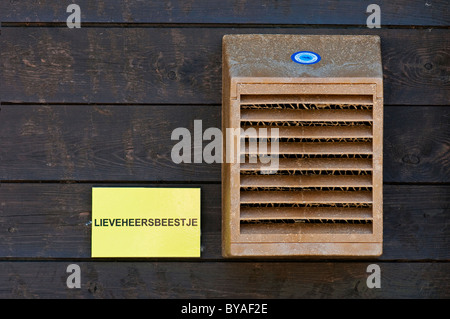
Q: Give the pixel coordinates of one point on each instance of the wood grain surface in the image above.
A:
(95, 106)
(236, 280)
(133, 143)
(183, 65)
(52, 220)
(284, 12)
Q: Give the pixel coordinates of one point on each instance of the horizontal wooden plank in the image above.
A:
(114, 143)
(183, 65)
(417, 151)
(229, 11)
(133, 143)
(235, 280)
(53, 221)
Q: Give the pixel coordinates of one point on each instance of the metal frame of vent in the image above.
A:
(325, 199)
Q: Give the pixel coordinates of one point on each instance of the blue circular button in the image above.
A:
(305, 57)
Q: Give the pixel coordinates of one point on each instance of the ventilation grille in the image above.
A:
(323, 184)
(321, 194)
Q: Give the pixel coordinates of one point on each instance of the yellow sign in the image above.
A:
(145, 222)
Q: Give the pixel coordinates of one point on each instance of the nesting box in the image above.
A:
(322, 98)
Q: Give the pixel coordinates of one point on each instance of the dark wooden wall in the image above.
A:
(97, 105)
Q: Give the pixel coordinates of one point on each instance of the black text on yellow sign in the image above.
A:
(146, 222)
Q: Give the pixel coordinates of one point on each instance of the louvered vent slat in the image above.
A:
(306, 228)
(316, 132)
(289, 114)
(322, 186)
(306, 180)
(362, 164)
(314, 148)
(306, 197)
(306, 213)
(307, 98)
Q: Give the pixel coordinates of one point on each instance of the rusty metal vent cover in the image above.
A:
(325, 196)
